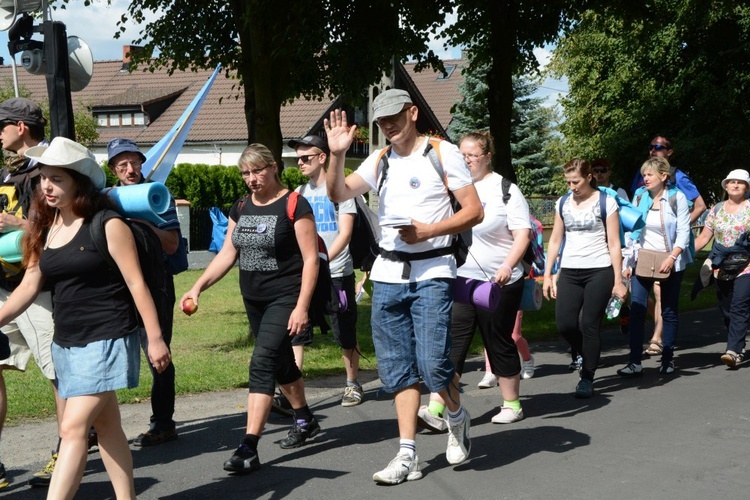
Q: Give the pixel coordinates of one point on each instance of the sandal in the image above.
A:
(654, 351)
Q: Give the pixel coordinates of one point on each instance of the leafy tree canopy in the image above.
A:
(679, 68)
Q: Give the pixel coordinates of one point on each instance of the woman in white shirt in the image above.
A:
(590, 266)
(498, 245)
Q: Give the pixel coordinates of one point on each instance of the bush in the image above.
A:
(206, 186)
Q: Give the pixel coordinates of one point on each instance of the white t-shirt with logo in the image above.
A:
(327, 224)
(414, 189)
(492, 238)
(585, 234)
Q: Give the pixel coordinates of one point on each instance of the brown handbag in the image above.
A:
(649, 261)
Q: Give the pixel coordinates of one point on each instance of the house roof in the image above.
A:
(221, 118)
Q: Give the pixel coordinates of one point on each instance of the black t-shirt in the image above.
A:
(270, 259)
(90, 300)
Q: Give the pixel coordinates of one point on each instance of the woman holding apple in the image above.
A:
(278, 261)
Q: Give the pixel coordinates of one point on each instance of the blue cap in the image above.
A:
(117, 146)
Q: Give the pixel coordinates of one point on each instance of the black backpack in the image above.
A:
(364, 245)
(325, 299)
(150, 257)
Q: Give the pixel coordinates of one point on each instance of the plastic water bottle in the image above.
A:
(613, 307)
(359, 294)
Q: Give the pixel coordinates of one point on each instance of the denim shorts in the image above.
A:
(101, 366)
(411, 330)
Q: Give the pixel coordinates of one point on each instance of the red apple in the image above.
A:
(189, 307)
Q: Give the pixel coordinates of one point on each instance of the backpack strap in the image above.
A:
(381, 166)
(99, 236)
(506, 190)
(291, 205)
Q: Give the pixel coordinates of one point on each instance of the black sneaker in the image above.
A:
(3, 477)
(243, 461)
(155, 437)
(281, 405)
(300, 432)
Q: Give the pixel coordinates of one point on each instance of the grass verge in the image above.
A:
(212, 348)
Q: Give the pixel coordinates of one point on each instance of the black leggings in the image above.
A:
(584, 291)
(273, 358)
(496, 329)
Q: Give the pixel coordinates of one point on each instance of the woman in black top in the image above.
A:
(278, 261)
(95, 346)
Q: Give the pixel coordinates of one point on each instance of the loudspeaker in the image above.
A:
(9, 9)
(80, 62)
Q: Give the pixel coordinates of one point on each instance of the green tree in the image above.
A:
(531, 128)
(675, 67)
(285, 49)
(503, 34)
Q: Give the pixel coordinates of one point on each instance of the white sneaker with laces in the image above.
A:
(400, 469)
(429, 421)
(488, 381)
(527, 368)
(507, 415)
(459, 440)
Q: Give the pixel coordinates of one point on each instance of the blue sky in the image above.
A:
(97, 24)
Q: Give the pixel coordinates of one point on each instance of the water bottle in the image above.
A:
(613, 307)
(359, 294)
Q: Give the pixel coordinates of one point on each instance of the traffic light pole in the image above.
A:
(58, 80)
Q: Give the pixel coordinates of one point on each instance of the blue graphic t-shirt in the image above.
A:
(327, 224)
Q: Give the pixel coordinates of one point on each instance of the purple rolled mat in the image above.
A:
(478, 293)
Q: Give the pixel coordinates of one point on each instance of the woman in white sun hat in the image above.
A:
(728, 222)
(95, 346)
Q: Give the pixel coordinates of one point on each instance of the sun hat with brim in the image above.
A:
(737, 175)
(389, 103)
(64, 153)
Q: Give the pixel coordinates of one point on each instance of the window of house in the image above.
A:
(449, 69)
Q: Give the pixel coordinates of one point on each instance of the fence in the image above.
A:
(200, 228)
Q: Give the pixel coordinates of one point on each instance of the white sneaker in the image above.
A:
(429, 421)
(507, 415)
(488, 381)
(459, 441)
(527, 368)
(400, 469)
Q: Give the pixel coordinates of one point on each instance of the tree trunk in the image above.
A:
(261, 72)
(500, 82)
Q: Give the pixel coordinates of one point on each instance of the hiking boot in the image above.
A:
(527, 368)
(44, 476)
(459, 441)
(731, 359)
(300, 432)
(353, 396)
(281, 405)
(584, 389)
(507, 416)
(155, 437)
(430, 421)
(3, 477)
(243, 461)
(400, 469)
(488, 381)
(631, 370)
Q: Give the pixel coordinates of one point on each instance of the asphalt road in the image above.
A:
(659, 436)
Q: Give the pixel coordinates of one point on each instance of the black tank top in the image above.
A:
(90, 300)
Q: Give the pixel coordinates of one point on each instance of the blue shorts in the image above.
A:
(411, 330)
(101, 366)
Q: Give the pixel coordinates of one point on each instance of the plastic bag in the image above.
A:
(219, 231)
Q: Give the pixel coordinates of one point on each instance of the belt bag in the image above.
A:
(649, 262)
(732, 265)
